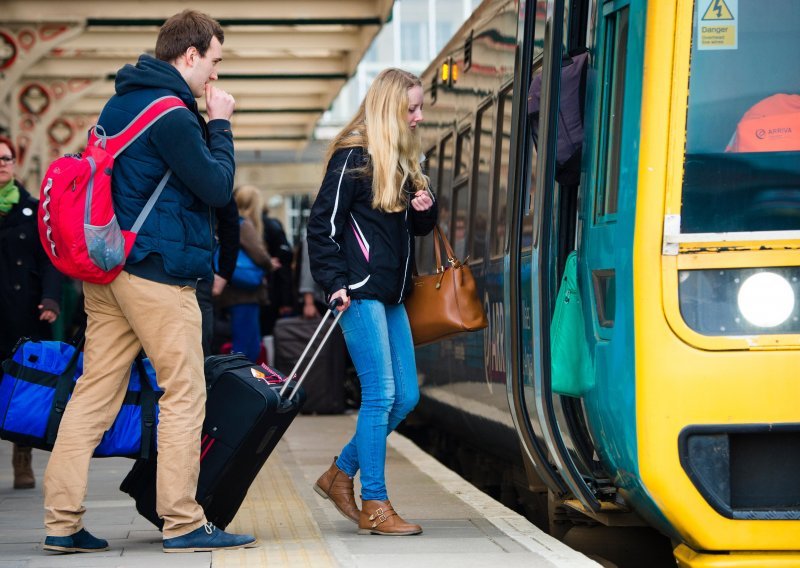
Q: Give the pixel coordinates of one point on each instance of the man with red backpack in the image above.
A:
(151, 304)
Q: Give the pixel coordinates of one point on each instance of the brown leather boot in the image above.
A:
(338, 487)
(23, 472)
(379, 517)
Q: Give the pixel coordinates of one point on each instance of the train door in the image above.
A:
(542, 231)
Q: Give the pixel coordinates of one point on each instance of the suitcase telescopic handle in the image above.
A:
(332, 307)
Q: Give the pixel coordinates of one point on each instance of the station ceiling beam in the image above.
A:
(284, 61)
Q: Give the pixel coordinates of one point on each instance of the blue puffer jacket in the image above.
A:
(176, 241)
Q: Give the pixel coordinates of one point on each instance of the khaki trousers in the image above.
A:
(123, 316)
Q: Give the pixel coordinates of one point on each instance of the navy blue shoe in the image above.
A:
(208, 538)
(81, 541)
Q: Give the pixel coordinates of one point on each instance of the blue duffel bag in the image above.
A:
(37, 383)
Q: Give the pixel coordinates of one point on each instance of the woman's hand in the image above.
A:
(341, 295)
(422, 200)
(47, 315)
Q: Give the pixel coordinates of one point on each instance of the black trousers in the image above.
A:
(207, 312)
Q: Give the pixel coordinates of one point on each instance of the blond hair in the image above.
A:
(251, 205)
(380, 126)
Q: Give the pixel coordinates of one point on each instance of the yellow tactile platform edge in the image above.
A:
(275, 513)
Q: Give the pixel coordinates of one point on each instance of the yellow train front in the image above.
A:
(686, 220)
(715, 280)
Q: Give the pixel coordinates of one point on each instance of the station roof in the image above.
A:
(284, 61)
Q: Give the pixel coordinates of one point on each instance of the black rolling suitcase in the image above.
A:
(325, 383)
(248, 409)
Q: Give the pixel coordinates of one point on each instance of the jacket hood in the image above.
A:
(152, 73)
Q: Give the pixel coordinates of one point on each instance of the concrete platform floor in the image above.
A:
(463, 527)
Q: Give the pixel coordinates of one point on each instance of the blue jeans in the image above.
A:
(379, 340)
(246, 330)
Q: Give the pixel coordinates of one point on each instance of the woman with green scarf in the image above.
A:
(30, 287)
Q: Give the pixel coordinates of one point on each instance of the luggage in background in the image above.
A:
(249, 407)
(37, 383)
(325, 381)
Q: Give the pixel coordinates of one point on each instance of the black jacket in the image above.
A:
(228, 237)
(353, 246)
(26, 276)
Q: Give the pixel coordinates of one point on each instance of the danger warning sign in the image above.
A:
(717, 24)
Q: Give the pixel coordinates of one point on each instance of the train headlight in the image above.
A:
(766, 299)
(741, 301)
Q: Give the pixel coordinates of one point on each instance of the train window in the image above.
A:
(613, 89)
(742, 161)
(460, 217)
(463, 163)
(463, 153)
(500, 195)
(446, 187)
(424, 252)
(484, 126)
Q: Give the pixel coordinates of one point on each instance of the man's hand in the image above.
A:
(219, 104)
(218, 286)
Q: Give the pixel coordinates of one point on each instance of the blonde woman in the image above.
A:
(244, 304)
(373, 200)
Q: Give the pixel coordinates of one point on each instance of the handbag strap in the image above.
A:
(438, 234)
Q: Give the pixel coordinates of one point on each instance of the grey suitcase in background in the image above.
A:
(325, 383)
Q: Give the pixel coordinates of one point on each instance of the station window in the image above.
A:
(414, 41)
(501, 162)
(484, 126)
(613, 89)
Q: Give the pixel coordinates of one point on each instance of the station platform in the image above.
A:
(462, 526)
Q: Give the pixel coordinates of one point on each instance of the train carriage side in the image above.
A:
(466, 137)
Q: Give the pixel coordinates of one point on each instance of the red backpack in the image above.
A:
(77, 225)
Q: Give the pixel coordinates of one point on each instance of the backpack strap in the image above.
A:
(116, 144)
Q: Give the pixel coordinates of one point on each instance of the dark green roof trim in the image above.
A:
(272, 76)
(157, 22)
(280, 110)
(267, 138)
(284, 76)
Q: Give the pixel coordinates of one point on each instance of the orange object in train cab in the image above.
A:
(770, 125)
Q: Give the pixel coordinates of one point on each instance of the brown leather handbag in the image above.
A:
(444, 303)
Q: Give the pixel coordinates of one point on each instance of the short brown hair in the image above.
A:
(10, 144)
(188, 29)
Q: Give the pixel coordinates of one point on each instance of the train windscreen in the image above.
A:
(742, 161)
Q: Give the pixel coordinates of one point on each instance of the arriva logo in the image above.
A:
(494, 343)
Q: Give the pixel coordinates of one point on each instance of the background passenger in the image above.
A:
(312, 297)
(281, 285)
(30, 287)
(244, 305)
(373, 200)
